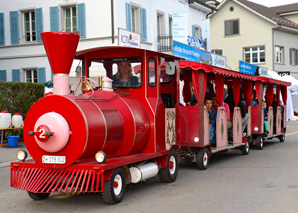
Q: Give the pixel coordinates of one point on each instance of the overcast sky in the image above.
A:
(272, 3)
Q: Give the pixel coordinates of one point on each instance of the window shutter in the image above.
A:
(39, 23)
(2, 32)
(82, 19)
(41, 74)
(128, 16)
(54, 18)
(3, 76)
(193, 31)
(144, 24)
(14, 27)
(16, 75)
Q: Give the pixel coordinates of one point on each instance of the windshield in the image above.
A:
(125, 72)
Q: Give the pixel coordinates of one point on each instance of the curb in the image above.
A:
(7, 164)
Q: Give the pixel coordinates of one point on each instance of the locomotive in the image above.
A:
(111, 136)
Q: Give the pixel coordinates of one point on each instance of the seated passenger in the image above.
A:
(212, 118)
(264, 106)
(226, 106)
(244, 116)
(254, 101)
(124, 77)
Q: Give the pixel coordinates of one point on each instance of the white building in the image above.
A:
(250, 32)
(22, 55)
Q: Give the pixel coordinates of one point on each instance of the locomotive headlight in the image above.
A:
(22, 155)
(256, 128)
(100, 157)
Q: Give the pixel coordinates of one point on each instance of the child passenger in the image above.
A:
(212, 117)
(264, 106)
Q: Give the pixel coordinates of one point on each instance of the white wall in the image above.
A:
(287, 40)
(98, 28)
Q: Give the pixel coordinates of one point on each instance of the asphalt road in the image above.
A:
(264, 181)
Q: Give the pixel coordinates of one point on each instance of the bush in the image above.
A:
(19, 96)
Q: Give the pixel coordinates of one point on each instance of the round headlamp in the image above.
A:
(22, 155)
(256, 128)
(100, 157)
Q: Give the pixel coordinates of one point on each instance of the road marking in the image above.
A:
(291, 133)
(67, 195)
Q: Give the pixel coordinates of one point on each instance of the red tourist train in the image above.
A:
(132, 129)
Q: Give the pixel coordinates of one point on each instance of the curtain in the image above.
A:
(186, 89)
(284, 94)
(269, 94)
(247, 90)
(195, 81)
(219, 87)
(236, 90)
(277, 94)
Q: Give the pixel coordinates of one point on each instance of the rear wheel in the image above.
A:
(114, 188)
(282, 137)
(170, 172)
(38, 196)
(245, 148)
(203, 159)
(260, 142)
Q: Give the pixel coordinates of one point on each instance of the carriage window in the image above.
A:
(151, 69)
(164, 77)
(125, 72)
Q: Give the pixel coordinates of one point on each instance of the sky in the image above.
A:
(272, 3)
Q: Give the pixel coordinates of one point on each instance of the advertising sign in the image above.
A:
(195, 42)
(248, 68)
(128, 38)
(219, 61)
(180, 27)
(190, 53)
(263, 71)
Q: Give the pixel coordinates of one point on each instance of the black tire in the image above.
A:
(38, 196)
(245, 148)
(170, 172)
(282, 137)
(260, 142)
(113, 195)
(203, 159)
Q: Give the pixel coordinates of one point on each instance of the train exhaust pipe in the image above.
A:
(60, 48)
(143, 172)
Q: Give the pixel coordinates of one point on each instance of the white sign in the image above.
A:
(219, 61)
(195, 42)
(180, 27)
(128, 38)
(206, 33)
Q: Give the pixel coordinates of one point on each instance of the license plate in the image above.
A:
(53, 159)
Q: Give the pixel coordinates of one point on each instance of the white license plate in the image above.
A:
(54, 159)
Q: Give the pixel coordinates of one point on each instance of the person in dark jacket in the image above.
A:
(244, 115)
(124, 77)
(212, 117)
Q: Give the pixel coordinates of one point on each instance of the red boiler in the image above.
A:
(76, 127)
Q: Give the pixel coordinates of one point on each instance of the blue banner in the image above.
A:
(190, 53)
(248, 68)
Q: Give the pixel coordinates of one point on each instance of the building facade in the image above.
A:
(246, 31)
(22, 55)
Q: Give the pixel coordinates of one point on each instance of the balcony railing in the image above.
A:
(164, 43)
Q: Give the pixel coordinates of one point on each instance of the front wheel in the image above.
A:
(245, 148)
(114, 188)
(203, 159)
(260, 142)
(170, 172)
(38, 196)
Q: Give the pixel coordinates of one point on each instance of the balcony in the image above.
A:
(164, 43)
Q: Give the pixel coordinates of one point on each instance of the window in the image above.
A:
(125, 72)
(170, 26)
(70, 19)
(160, 24)
(254, 55)
(279, 54)
(3, 75)
(217, 52)
(293, 57)
(151, 69)
(31, 75)
(135, 19)
(231, 27)
(29, 26)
